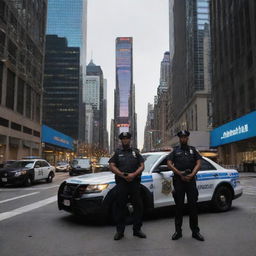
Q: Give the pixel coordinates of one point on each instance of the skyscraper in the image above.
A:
(233, 26)
(68, 19)
(190, 73)
(125, 116)
(94, 95)
(61, 86)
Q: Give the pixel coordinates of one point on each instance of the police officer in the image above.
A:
(127, 164)
(185, 161)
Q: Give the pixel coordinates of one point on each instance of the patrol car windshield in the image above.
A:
(103, 160)
(21, 164)
(150, 159)
(82, 161)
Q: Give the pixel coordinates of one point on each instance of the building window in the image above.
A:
(10, 89)
(27, 130)
(1, 80)
(15, 126)
(28, 101)
(20, 98)
(4, 122)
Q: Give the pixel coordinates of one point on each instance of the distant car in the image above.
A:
(96, 193)
(102, 165)
(80, 166)
(26, 172)
(62, 166)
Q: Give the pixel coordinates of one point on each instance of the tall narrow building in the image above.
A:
(124, 114)
(95, 95)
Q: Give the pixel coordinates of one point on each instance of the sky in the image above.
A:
(147, 21)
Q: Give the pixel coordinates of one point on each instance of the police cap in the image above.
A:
(125, 135)
(183, 133)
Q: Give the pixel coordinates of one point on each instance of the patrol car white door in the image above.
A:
(45, 167)
(38, 171)
(207, 178)
(163, 185)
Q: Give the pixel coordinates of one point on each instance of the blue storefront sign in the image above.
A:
(54, 137)
(239, 129)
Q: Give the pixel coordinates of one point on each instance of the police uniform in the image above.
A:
(128, 160)
(184, 158)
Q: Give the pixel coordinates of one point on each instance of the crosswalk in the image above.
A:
(249, 190)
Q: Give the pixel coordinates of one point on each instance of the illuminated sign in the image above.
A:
(123, 125)
(239, 129)
(57, 138)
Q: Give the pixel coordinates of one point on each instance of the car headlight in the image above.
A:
(93, 188)
(20, 173)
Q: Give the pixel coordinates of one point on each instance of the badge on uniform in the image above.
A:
(191, 152)
(166, 187)
(134, 154)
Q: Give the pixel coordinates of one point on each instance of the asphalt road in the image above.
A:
(31, 225)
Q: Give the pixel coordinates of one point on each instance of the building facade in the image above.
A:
(149, 130)
(124, 109)
(61, 86)
(22, 41)
(189, 92)
(234, 89)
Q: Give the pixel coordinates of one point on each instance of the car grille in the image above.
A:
(70, 189)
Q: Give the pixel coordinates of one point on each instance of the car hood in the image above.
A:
(12, 169)
(93, 178)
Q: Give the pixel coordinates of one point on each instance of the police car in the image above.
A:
(95, 193)
(26, 172)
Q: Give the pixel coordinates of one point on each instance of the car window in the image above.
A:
(104, 160)
(206, 166)
(44, 164)
(150, 159)
(38, 163)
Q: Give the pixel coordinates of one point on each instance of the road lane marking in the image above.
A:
(28, 189)
(17, 197)
(27, 208)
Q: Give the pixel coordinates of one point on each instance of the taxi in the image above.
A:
(95, 193)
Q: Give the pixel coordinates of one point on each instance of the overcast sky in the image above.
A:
(147, 22)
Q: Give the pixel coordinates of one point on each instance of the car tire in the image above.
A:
(28, 181)
(50, 177)
(71, 173)
(222, 199)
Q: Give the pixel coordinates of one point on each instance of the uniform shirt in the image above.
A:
(127, 160)
(184, 157)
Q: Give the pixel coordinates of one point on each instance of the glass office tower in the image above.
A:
(68, 19)
(124, 93)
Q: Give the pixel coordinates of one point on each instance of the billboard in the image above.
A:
(56, 138)
(239, 129)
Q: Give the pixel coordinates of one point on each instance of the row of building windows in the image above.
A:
(15, 126)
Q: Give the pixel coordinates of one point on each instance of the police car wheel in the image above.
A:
(222, 199)
(28, 181)
(50, 178)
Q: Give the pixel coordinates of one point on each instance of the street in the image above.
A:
(32, 225)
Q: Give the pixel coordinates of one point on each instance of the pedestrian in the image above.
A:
(127, 164)
(185, 162)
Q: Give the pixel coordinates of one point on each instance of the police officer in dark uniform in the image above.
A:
(185, 161)
(127, 164)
